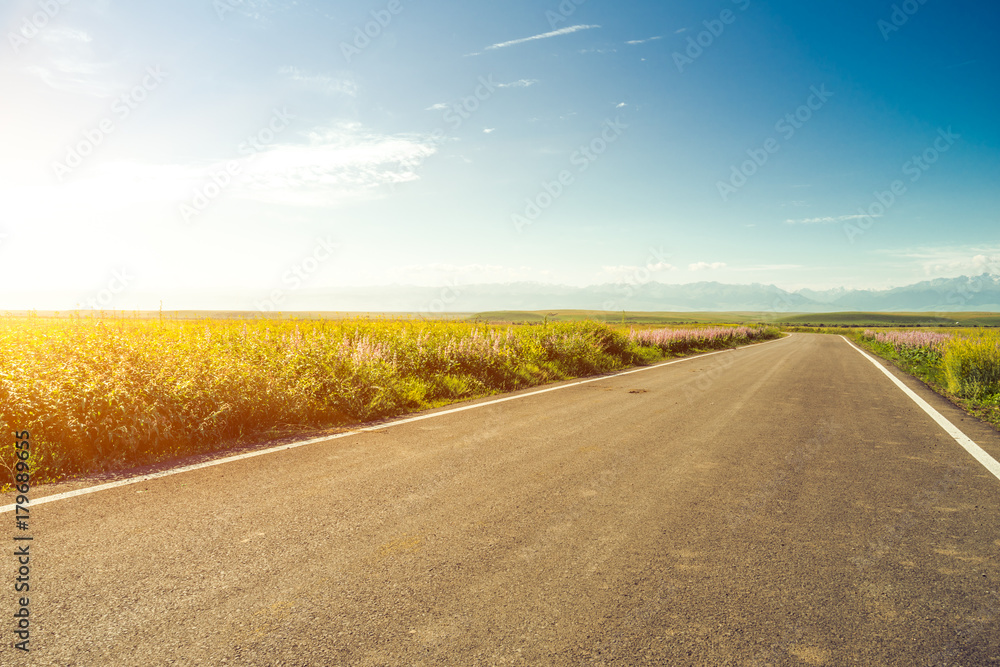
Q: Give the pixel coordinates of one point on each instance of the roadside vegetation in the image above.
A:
(963, 364)
(104, 394)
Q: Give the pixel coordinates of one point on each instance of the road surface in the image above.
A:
(779, 504)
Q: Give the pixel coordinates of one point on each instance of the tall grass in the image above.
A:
(98, 395)
(920, 347)
(966, 362)
(678, 341)
(972, 367)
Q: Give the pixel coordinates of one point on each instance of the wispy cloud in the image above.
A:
(521, 83)
(71, 66)
(320, 83)
(951, 261)
(329, 165)
(258, 10)
(828, 220)
(489, 130)
(635, 42)
(60, 34)
(341, 162)
(963, 64)
(440, 106)
(706, 266)
(546, 35)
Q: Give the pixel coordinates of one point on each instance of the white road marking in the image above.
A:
(378, 427)
(965, 441)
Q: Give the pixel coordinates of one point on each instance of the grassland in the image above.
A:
(103, 394)
(836, 319)
(962, 364)
(845, 319)
(620, 317)
(849, 319)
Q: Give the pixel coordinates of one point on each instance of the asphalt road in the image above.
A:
(779, 504)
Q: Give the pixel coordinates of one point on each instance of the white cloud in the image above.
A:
(621, 105)
(706, 266)
(829, 219)
(321, 83)
(328, 166)
(547, 35)
(69, 64)
(489, 130)
(64, 33)
(635, 42)
(522, 83)
(975, 265)
(342, 162)
(948, 261)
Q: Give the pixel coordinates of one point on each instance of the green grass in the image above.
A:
(618, 317)
(892, 319)
(972, 368)
(843, 319)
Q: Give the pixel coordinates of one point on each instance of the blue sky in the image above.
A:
(213, 153)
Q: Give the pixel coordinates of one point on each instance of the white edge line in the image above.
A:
(965, 441)
(378, 427)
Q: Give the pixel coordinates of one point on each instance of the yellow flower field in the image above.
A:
(99, 394)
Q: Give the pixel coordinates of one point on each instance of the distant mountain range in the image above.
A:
(965, 293)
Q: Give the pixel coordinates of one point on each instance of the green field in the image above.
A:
(618, 317)
(839, 319)
(738, 317)
(891, 319)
